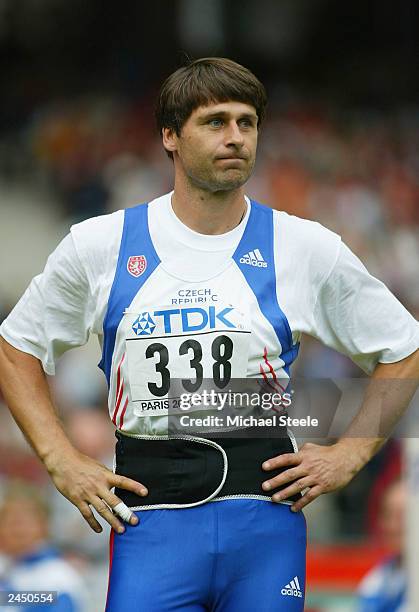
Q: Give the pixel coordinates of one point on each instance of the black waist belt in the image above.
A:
(184, 471)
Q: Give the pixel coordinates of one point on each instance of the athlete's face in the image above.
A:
(216, 148)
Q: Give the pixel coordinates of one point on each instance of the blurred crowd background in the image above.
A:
(340, 145)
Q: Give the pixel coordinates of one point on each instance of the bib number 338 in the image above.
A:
(163, 366)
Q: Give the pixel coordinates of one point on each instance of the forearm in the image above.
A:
(321, 469)
(389, 393)
(82, 480)
(27, 394)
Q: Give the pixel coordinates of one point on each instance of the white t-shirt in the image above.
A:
(384, 588)
(322, 289)
(45, 570)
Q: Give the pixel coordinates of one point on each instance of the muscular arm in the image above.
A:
(387, 398)
(26, 391)
(327, 468)
(78, 477)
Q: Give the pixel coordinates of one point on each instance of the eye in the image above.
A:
(246, 123)
(215, 123)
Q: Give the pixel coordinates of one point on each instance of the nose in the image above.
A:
(234, 135)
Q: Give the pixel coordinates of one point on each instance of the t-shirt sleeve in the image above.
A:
(356, 314)
(55, 313)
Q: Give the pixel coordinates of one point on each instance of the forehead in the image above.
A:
(224, 108)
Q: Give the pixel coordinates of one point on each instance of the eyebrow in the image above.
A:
(221, 113)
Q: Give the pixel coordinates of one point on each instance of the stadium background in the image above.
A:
(340, 145)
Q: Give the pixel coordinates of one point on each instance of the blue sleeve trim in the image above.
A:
(259, 235)
(135, 243)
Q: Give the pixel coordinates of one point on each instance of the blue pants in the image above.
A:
(237, 555)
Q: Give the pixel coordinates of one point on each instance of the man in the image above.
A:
(30, 563)
(202, 284)
(384, 587)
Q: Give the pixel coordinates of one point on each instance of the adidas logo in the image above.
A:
(254, 258)
(293, 588)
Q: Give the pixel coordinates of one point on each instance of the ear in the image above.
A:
(170, 139)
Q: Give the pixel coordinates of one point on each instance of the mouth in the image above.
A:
(235, 158)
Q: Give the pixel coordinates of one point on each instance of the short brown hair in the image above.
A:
(205, 81)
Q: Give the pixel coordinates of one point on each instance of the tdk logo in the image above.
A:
(189, 319)
(254, 258)
(292, 589)
(143, 325)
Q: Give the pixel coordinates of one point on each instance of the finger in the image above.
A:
(282, 479)
(115, 503)
(312, 494)
(293, 489)
(105, 512)
(282, 461)
(88, 515)
(125, 513)
(122, 482)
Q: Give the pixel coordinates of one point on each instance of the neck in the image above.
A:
(206, 212)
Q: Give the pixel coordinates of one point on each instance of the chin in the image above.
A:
(226, 186)
(231, 182)
(226, 181)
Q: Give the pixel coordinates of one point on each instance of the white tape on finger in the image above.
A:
(123, 511)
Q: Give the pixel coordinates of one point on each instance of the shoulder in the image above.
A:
(96, 241)
(98, 232)
(66, 580)
(62, 574)
(306, 245)
(298, 230)
(52, 569)
(309, 233)
(103, 233)
(382, 576)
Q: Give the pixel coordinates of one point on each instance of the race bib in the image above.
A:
(174, 351)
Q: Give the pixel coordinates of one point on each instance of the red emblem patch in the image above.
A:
(136, 265)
